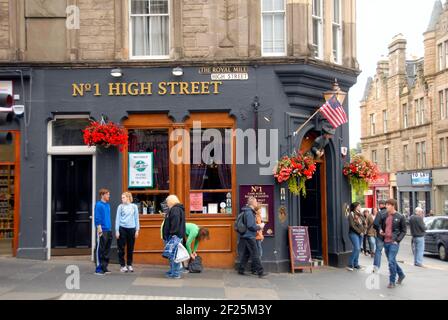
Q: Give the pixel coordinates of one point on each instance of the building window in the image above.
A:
(337, 31)
(443, 147)
(149, 29)
(274, 27)
(318, 29)
(405, 116)
(443, 110)
(423, 154)
(441, 57)
(445, 60)
(384, 121)
(372, 124)
(418, 155)
(406, 156)
(419, 111)
(374, 158)
(446, 104)
(387, 159)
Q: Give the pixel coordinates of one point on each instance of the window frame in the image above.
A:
(441, 56)
(320, 32)
(405, 116)
(423, 146)
(337, 58)
(374, 156)
(387, 159)
(442, 108)
(385, 119)
(418, 153)
(273, 13)
(443, 151)
(131, 42)
(372, 124)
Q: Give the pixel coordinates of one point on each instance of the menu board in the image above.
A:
(299, 248)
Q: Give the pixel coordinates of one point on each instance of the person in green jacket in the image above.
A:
(197, 234)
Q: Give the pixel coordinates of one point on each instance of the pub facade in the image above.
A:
(164, 105)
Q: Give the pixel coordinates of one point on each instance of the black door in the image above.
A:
(310, 213)
(71, 205)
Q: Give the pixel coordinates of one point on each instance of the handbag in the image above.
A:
(195, 265)
(181, 254)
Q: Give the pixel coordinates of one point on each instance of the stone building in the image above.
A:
(405, 124)
(156, 66)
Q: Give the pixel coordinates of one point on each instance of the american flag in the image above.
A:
(334, 112)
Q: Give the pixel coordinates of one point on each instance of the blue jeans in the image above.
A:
(356, 240)
(175, 268)
(378, 252)
(260, 248)
(371, 244)
(391, 250)
(418, 244)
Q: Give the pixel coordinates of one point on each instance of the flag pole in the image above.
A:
(308, 120)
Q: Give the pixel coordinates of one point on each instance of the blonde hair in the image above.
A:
(129, 196)
(171, 200)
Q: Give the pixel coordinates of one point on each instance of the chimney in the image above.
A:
(397, 55)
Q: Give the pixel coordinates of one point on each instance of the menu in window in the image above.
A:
(196, 202)
(141, 169)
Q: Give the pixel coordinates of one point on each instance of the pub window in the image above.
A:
(149, 28)
(337, 31)
(68, 132)
(274, 27)
(211, 172)
(318, 29)
(156, 143)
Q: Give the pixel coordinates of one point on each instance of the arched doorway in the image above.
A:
(313, 207)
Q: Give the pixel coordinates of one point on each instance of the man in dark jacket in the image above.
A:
(174, 225)
(418, 230)
(379, 239)
(393, 229)
(247, 246)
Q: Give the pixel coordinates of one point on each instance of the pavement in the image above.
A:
(44, 280)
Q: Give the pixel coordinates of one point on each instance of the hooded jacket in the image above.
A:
(174, 223)
(252, 227)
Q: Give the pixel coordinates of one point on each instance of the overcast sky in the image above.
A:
(377, 23)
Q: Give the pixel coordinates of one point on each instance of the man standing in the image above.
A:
(393, 229)
(103, 231)
(418, 230)
(247, 246)
(379, 239)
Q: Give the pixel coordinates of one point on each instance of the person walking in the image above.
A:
(393, 229)
(247, 247)
(103, 233)
(379, 239)
(174, 231)
(195, 234)
(418, 230)
(357, 230)
(127, 227)
(365, 238)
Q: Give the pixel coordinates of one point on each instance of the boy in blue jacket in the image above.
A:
(103, 233)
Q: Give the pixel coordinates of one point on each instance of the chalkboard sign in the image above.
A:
(299, 248)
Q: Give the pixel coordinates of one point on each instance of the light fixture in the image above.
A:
(178, 72)
(18, 110)
(340, 95)
(116, 73)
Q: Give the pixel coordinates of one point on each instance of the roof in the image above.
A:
(436, 12)
(412, 67)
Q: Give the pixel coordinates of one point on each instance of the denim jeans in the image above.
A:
(378, 252)
(391, 250)
(356, 240)
(260, 248)
(175, 268)
(418, 244)
(372, 244)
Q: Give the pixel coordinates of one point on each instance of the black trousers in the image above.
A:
(247, 248)
(127, 239)
(102, 250)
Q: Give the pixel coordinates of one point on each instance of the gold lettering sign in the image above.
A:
(223, 69)
(118, 89)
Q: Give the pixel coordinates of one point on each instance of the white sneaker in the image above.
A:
(124, 269)
(130, 269)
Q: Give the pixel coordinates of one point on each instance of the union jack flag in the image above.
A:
(334, 112)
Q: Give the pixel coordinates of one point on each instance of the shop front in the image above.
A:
(212, 143)
(380, 190)
(440, 184)
(414, 190)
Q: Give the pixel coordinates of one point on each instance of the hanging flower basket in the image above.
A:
(295, 170)
(105, 135)
(360, 172)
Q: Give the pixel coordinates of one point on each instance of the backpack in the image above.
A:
(195, 266)
(240, 223)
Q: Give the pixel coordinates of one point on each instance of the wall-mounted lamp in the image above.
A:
(18, 110)
(178, 72)
(116, 73)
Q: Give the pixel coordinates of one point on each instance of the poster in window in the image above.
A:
(141, 170)
(213, 208)
(196, 202)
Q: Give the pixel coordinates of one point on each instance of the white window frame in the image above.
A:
(68, 150)
(131, 43)
(374, 157)
(385, 121)
(337, 58)
(320, 33)
(274, 12)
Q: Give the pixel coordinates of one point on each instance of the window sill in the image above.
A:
(139, 58)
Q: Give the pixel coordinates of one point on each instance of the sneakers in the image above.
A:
(391, 286)
(241, 273)
(130, 269)
(100, 273)
(263, 274)
(170, 276)
(400, 279)
(419, 265)
(107, 271)
(349, 268)
(358, 267)
(124, 269)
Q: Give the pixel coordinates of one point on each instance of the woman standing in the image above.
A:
(371, 232)
(174, 231)
(356, 232)
(127, 226)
